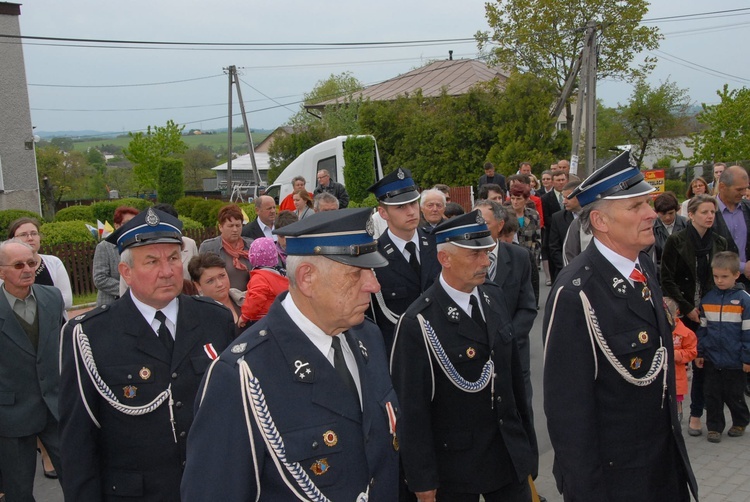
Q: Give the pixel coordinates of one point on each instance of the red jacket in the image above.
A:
(685, 350)
(264, 286)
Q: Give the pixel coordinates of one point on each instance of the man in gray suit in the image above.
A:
(31, 317)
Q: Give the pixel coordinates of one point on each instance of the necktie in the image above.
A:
(639, 277)
(560, 199)
(476, 314)
(493, 267)
(339, 363)
(413, 259)
(164, 334)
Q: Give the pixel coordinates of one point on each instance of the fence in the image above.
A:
(78, 259)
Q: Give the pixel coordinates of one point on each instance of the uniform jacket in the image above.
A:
(557, 231)
(134, 457)
(338, 191)
(685, 350)
(679, 269)
(320, 424)
(724, 333)
(460, 441)
(399, 285)
(613, 441)
(29, 378)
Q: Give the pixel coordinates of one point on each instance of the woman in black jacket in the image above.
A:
(686, 276)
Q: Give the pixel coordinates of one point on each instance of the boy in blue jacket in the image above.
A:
(724, 347)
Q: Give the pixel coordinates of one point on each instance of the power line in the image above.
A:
(698, 67)
(123, 85)
(698, 15)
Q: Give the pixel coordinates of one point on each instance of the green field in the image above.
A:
(213, 141)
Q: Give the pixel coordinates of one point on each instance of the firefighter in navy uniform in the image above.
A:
(465, 429)
(129, 379)
(410, 251)
(301, 406)
(609, 387)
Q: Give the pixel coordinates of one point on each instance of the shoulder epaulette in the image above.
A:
(246, 343)
(90, 314)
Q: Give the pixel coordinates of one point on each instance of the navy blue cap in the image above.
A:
(618, 179)
(467, 231)
(395, 188)
(147, 227)
(344, 235)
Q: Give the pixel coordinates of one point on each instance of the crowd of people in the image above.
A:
(320, 352)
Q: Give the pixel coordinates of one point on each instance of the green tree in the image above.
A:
(610, 132)
(145, 151)
(198, 163)
(655, 113)
(545, 37)
(726, 137)
(61, 175)
(171, 184)
(64, 144)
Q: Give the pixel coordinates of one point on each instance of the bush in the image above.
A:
(170, 183)
(72, 213)
(676, 186)
(358, 166)
(202, 212)
(190, 224)
(369, 201)
(105, 210)
(8, 216)
(249, 211)
(62, 232)
(184, 205)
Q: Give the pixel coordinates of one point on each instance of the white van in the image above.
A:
(327, 155)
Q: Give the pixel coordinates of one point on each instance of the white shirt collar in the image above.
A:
(148, 312)
(316, 335)
(401, 243)
(459, 297)
(622, 264)
(267, 231)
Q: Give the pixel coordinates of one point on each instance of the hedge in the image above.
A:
(170, 183)
(358, 170)
(190, 224)
(72, 213)
(66, 232)
(184, 205)
(8, 216)
(105, 210)
(205, 212)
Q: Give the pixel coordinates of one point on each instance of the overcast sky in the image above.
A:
(701, 55)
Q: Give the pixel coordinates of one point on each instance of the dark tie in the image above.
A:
(339, 363)
(476, 314)
(164, 335)
(413, 259)
(492, 271)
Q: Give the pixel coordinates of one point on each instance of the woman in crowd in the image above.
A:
(231, 246)
(267, 281)
(697, 187)
(106, 259)
(529, 232)
(210, 277)
(686, 276)
(303, 203)
(51, 271)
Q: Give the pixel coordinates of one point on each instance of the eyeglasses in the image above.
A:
(432, 205)
(28, 234)
(32, 264)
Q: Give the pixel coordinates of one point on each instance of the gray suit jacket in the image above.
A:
(29, 379)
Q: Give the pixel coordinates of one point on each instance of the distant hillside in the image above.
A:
(213, 141)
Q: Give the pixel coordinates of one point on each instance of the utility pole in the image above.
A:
(234, 79)
(256, 175)
(231, 70)
(587, 93)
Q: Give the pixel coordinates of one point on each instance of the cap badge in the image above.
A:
(129, 391)
(330, 438)
(152, 219)
(401, 175)
(370, 227)
(302, 371)
(643, 337)
(145, 373)
(635, 363)
(320, 467)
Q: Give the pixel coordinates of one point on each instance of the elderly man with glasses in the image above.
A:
(327, 185)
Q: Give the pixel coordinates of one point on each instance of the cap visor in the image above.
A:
(402, 198)
(480, 243)
(641, 188)
(369, 260)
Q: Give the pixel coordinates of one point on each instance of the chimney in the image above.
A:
(450, 55)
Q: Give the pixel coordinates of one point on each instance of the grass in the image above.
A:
(213, 141)
(83, 299)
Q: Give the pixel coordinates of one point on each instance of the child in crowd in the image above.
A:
(267, 281)
(685, 349)
(724, 347)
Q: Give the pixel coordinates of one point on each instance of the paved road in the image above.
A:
(723, 470)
